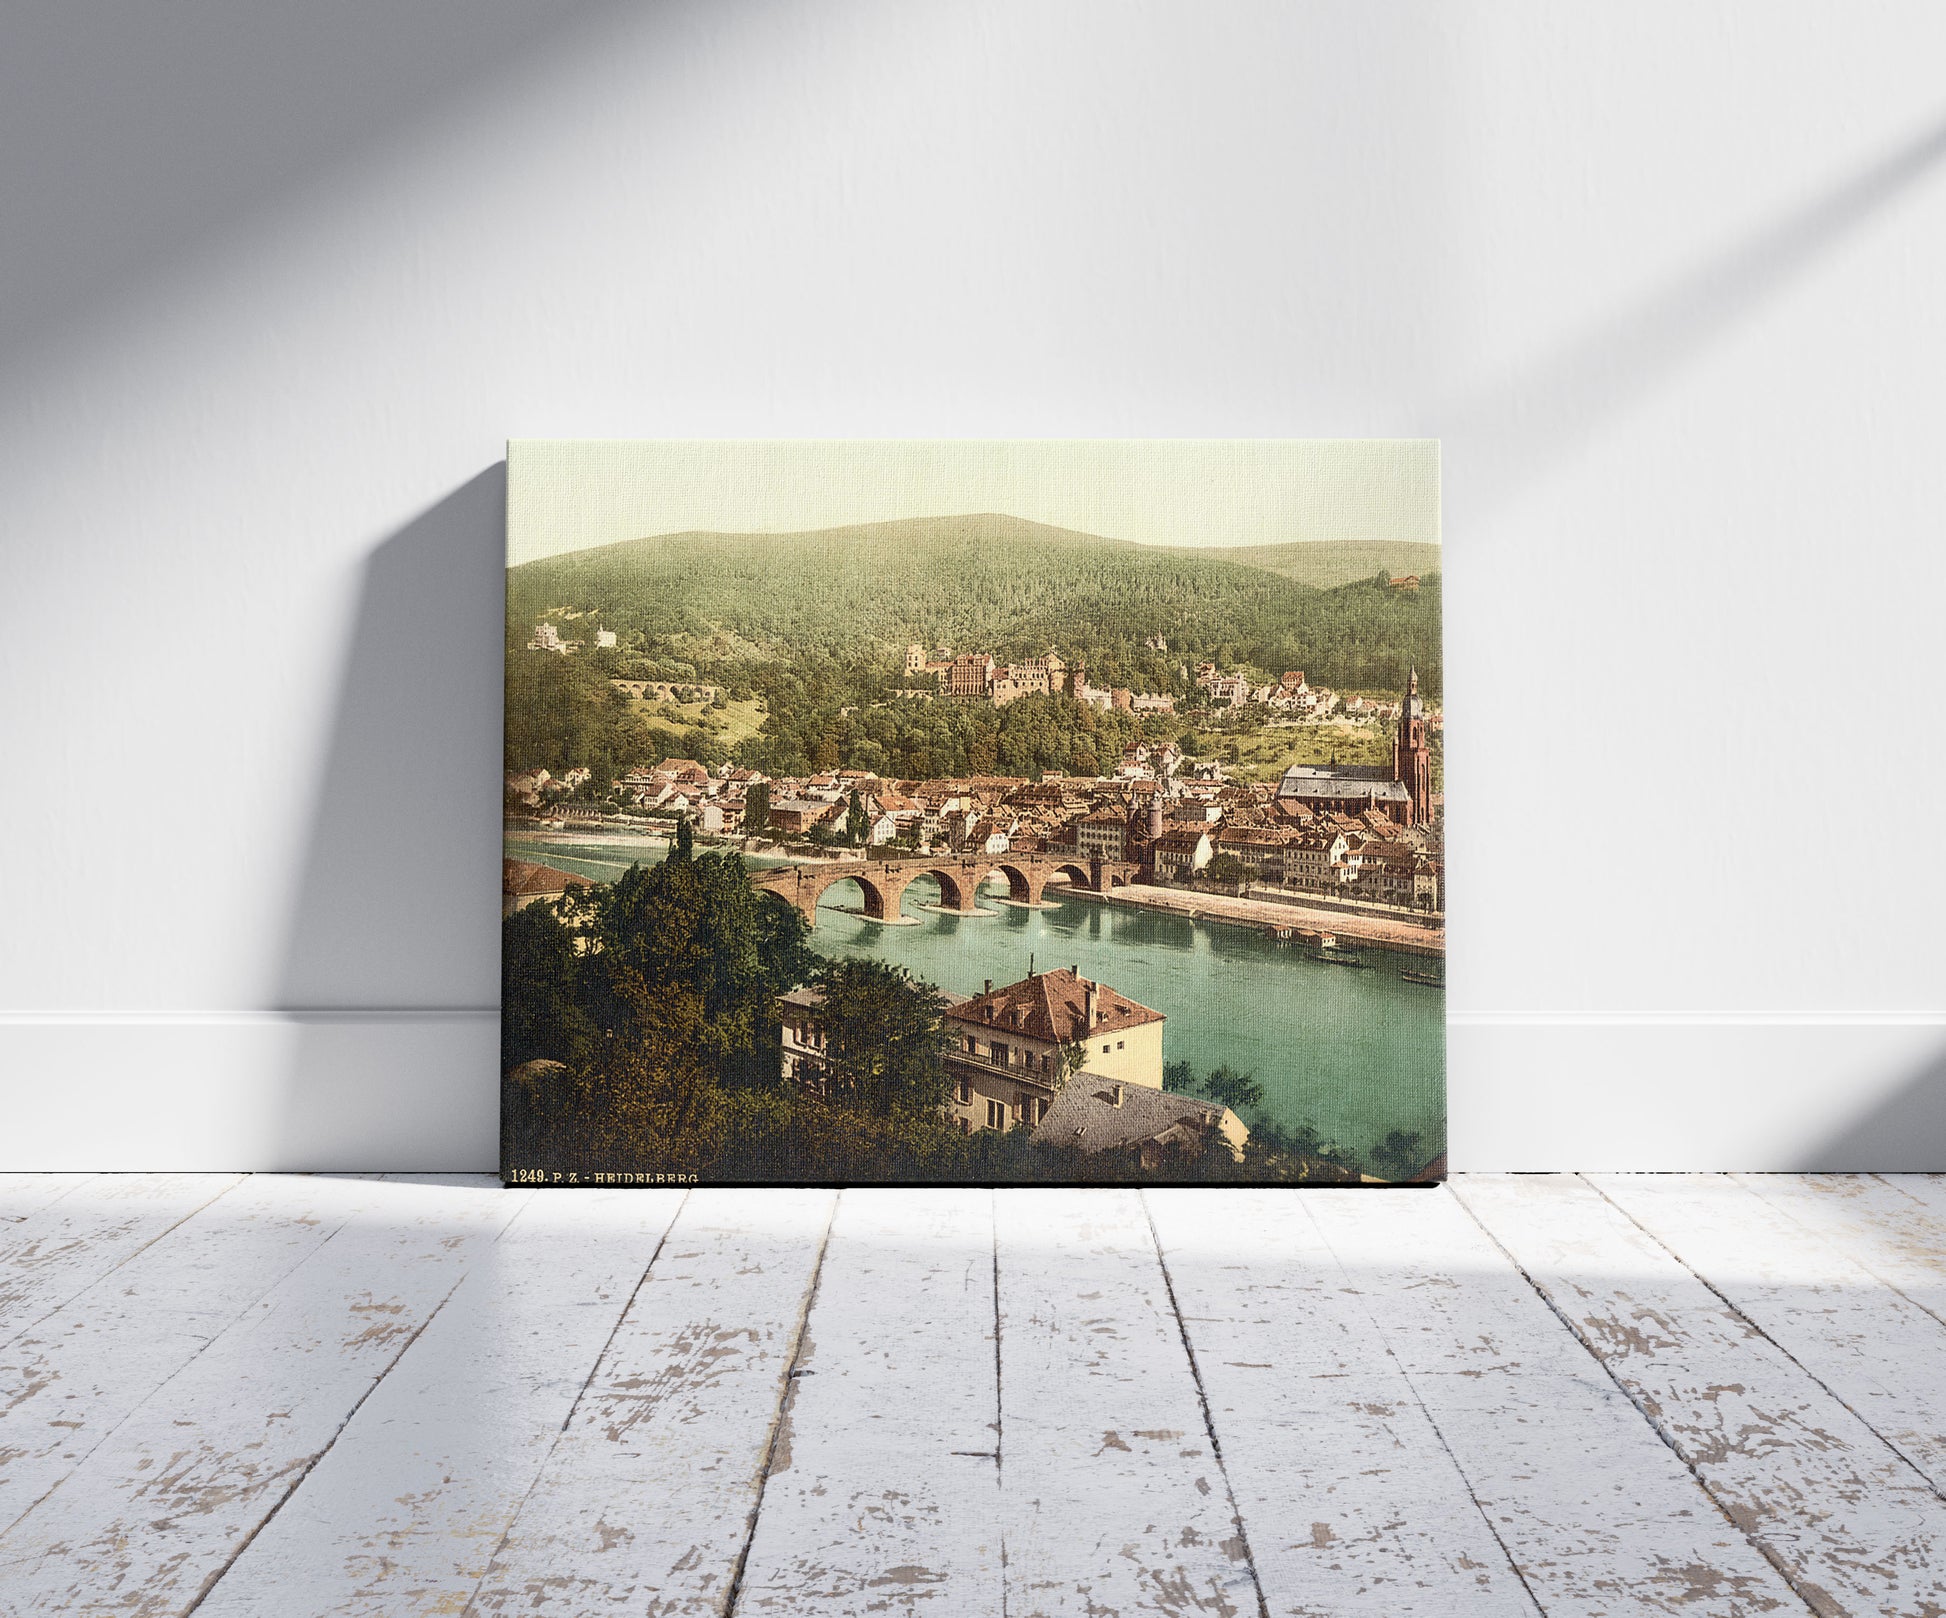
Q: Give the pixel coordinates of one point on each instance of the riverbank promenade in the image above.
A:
(1382, 932)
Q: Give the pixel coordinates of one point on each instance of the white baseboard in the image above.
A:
(250, 1090)
(1730, 1091)
(417, 1090)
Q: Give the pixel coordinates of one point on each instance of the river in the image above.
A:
(1352, 1053)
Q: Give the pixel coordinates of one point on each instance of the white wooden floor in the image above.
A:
(1565, 1395)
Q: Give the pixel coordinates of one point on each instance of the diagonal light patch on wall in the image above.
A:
(1513, 431)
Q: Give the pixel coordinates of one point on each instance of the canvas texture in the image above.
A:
(973, 813)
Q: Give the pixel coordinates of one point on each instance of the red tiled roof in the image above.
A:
(1053, 1007)
(518, 879)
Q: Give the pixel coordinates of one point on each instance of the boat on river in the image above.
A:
(1332, 955)
(1432, 980)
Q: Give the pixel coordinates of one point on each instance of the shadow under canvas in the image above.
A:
(391, 964)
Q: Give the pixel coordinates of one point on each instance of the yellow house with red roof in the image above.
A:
(1010, 1045)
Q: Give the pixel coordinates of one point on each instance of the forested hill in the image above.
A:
(987, 582)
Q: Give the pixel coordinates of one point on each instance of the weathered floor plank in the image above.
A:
(1350, 1503)
(149, 1520)
(1849, 1520)
(63, 1247)
(1893, 1224)
(883, 1495)
(1598, 1515)
(1871, 1347)
(22, 1194)
(646, 1502)
(404, 1512)
(347, 1397)
(1112, 1497)
(73, 1377)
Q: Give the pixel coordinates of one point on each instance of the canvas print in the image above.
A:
(973, 813)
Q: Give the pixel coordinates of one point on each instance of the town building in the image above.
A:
(1261, 852)
(1102, 835)
(523, 884)
(1402, 791)
(546, 639)
(1091, 1114)
(1314, 859)
(1012, 1046)
(1347, 788)
(1411, 754)
(1177, 856)
(970, 676)
(806, 1045)
(795, 816)
(1011, 1068)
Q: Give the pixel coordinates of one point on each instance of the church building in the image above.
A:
(1402, 791)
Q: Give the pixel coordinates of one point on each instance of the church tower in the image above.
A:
(1411, 758)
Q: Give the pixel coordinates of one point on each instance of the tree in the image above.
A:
(886, 1042)
(1226, 870)
(1235, 1090)
(661, 936)
(541, 1018)
(1223, 1084)
(1190, 743)
(756, 807)
(857, 825)
(685, 847)
(1400, 1155)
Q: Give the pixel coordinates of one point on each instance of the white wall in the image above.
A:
(279, 281)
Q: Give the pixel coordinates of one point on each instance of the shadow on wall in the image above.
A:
(1905, 1133)
(176, 125)
(392, 960)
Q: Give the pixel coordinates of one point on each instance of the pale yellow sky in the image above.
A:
(569, 494)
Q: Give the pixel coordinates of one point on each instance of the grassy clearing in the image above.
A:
(730, 725)
(1264, 755)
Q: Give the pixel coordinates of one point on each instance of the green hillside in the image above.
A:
(987, 582)
(1325, 563)
(814, 627)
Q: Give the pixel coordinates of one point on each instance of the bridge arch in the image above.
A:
(954, 891)
(875, 895)
(1023, 878)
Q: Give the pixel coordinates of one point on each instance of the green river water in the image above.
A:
(1352, 1053)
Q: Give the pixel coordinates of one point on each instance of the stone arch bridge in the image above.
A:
(959, 876)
